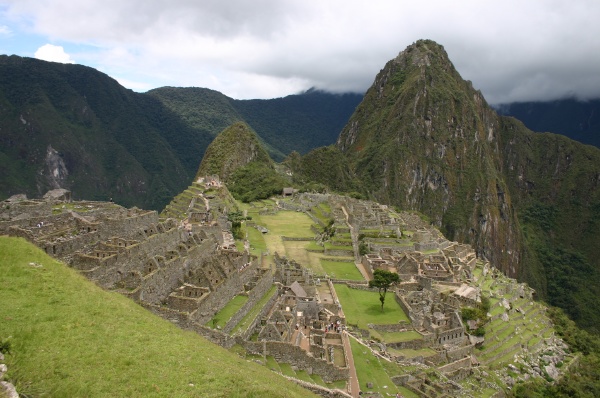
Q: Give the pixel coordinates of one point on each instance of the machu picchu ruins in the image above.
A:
(186, 265)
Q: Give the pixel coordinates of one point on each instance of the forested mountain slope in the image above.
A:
(73, 127)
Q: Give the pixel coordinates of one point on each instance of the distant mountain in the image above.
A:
(424, 139)
(297, 122)
(73, 127)
(578, 120)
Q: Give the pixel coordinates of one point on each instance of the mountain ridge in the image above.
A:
(576, 119)
(70, 126)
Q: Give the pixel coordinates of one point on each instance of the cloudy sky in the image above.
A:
(512, 50)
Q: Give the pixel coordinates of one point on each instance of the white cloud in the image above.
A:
(50, 52)
(5, 30)
(511, 50)
(134, 85)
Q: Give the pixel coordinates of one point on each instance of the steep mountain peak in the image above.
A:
(232, 148)
(420, 53)
(419, 85)
(424, 139)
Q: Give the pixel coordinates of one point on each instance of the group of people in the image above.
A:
(334, 327)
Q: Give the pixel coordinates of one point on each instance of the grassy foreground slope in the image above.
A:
(68, 337)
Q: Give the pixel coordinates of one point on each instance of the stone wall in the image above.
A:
(156, 287)
(262, 314)
(404, 305)
(396, 327)
(338, 252)
(416, 344)
(459, 353)
(263, 285)
(223, 293)
(464, 363)
(184, 321)
(317, 389)
(296, 356)
(451, 336)
(34, 208)
(129, 227)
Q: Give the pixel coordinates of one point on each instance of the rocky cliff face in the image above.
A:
(424, 139)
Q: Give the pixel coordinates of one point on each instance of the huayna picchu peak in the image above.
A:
(424, 139)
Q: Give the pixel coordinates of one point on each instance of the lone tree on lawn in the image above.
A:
(383, 280)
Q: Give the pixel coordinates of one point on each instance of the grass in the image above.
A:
(342, 270)
(363, 307)
(313, 246)
(330, 246)
(285, 223)
(272, 364)
(95, 343)
(287, 370)
(409, 353)
(222, 317)
(257, 240)
(370, 369)
(249, 317)
(397, 337)
(293, 224)
(322, 212)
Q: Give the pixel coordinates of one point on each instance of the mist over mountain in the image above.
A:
(578, 120)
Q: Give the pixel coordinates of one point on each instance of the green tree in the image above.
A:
(383, 280)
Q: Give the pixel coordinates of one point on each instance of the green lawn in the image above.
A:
(313, 246)
(257, 240)
(397, 337)
(370, 369)
(70, 338)
(408, 353)
(342, 270)
(247, 320)
(331, 246)
(293, 224)
(222, 317)
(363, 307)
(287, 370)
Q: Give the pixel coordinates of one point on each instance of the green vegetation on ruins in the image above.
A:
(363, 307)
(99, 344)
(383, 280)
(377, 371)
(221, 318)
(395, 342)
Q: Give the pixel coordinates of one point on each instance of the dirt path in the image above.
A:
(354, 385)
